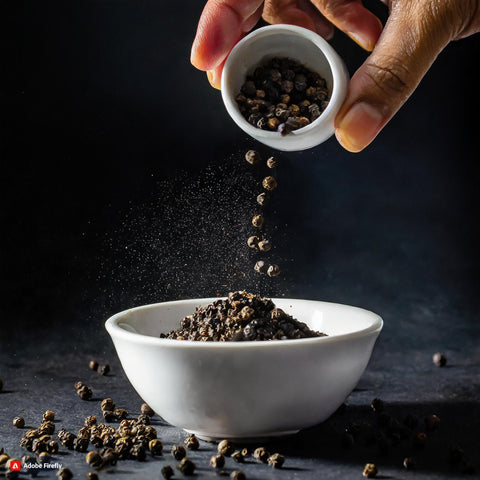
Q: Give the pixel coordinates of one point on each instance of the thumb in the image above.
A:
(410, 42)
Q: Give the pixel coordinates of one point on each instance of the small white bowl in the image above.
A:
(244, 390)
(299, 44)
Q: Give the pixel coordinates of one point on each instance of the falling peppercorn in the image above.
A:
(252, 157)
(262, 198)
(269, 183)
(273, 271)
(271, 162)
(252, 241)
(260, 266)
(257, 221)
(264, 245)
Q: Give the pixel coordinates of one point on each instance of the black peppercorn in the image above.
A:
(261, 454)
(439, 359)
(84, 392)
(191, 442)
(370, 470)
(167, 472)
(120, 413)
(264, 245)
(273, 271)
(147, 410)
(49, 416)
(377, 405)
(64, 474)
(409, 463)
(217, 461)
(238, 456)
(107, 404)
(257, 221)
(225, 447)
(93, 365)
(178, 452)
(252, 241)
(260, 267)
(186, 466)
(262, 198)
(252, 157)
(432, 422)
(104, 369)
(155, 446)
(269, 183)
(19, 422)
(271, 162)
(276, 460)
(237, 475)
(94, 459)
(91, 476)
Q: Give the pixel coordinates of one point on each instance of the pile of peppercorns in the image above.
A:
(240, 317)
(282, 95)
(258, 242)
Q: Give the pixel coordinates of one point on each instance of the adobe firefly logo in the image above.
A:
(15, 466)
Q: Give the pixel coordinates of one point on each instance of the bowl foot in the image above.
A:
(262, 437)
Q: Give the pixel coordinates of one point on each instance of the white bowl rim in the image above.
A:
(115, 330)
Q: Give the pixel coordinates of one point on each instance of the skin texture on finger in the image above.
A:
(408, 46)
(287, 11)
(222, 24)
(322, 26)
(352, 18)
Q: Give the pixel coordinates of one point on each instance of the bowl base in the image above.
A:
(262, 437)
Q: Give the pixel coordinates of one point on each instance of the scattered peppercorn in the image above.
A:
(64, 474)
(439, 359)
(238, 456)
(191, 442)
(120, 413)
(217, 461)
(91, 476)
(104, 369)
(377, 405)
(84, 392)
(432, 422)
(147, 410)
(225, 447)
(409, 463)
(155, 446)
(420, 439)
(269, 183)
(94, 459)
(370, 470)
(261, 454)
(186, 466)
(273, 271)
(252, 157)
(167, 472)
(93, 365)
(19, 422)
(260, 266)
(178, 452)
(276, 460)
(238, 475)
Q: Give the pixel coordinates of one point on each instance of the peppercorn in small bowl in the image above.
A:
(306, 50)
(248, 389)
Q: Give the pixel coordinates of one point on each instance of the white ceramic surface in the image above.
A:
(300, 44)
(245, 390)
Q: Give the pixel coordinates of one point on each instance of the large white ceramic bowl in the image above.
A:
(244, 390)
(300, 44)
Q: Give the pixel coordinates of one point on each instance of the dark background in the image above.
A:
(123, 183)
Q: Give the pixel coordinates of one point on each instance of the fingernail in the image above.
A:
(212, 78)
(359, 126)
(364, 42)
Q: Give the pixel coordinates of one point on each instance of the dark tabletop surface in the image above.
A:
(123, 184)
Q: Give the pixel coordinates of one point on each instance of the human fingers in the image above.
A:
(352, 18)
(222, 24)
(413, 37)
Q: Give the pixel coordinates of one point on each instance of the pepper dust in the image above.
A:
(282, 95)
(240, 317)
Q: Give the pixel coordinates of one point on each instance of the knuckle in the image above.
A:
(390, 75)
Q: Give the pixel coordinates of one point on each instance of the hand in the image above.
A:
(415, 33)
